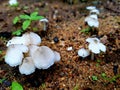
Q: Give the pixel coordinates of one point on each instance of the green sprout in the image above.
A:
(16, 86)
(26, 21)
(94, 78)
(86, 30)
(15, 5)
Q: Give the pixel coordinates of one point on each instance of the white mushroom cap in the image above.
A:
(32, 49)
(95, 45)
(90, 7)
(31, 38)
(14, 54)
(15, 40)
(83, 52)
(27, 67)
(44, 20)
(43, 57)
(96, 11)
(57, 56)
(12, 2)
(26, 39)
(92, 20)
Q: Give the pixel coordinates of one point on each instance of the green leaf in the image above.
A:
(17, 32)
(16, 86)
(103, 75)
(37, 17)
(94, 78)
(26, 24)
(15, 20)
(24, 17)
(86, 30)
(33, 14)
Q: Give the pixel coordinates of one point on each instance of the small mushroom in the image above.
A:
(90, 7)
(14, 54)
(83, 53)
(95, 46)
(92, 20)
(57, 56)
(27, 67)
(13, 2)
(45, 22)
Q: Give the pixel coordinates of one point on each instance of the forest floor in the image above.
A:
(71, 72)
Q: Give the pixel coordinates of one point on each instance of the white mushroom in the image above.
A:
(95, 46)
(90, 7)
(92, 20)
(43, 57)
(31, 38)
(13, 2)
(95, 11)
(26, 39)
(14, 54)
(57, 56)
(83, 52)
(27, 67)
(45, 21)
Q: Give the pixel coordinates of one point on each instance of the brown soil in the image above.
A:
(72, 72)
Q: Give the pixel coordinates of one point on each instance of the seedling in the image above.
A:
(86, 30)
(26, 21)
(16, 86)
(94, 78)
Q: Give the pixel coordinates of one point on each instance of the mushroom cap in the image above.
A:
(15, 40)
(95, 45)
(31, 38)
(83, 52)
(92, 21)
(90, 7)
(44, 20)
(14, 54)
(57, 56)
(12, 2)
(96, 11)
(26, 39)
(27, 67)
(32, 49)
(43, 57)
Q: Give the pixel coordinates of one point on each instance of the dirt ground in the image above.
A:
(72, 72)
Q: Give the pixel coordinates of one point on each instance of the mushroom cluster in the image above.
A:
(13, 2)
(92, 19)
(26, 53)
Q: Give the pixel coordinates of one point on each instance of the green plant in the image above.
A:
(26, 21)
(76, 87)
(16, 86)
(98, 62)
(94, 78)
(86, 30)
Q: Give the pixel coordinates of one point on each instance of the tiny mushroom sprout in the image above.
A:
(13, 2)
(83, 52)
(90, 7)
(26, 39)
(92, 20)
(45, 22)
(95, 46)
(27, 67)
(14, 54)
(43, 57)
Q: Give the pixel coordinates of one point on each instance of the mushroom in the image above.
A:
(92, 20)
(32, 38)
(45, 21)
(95, 46)
(13, 2)
(25, 39)
(27, 67)
(95, 11)
(90, 7)
(83, 53)
(44, 57)
(14, 54)
(57, 56)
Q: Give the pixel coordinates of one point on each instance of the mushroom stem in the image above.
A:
(45, 26)
(92, 56)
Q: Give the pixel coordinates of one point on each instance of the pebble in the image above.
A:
(69, 48)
